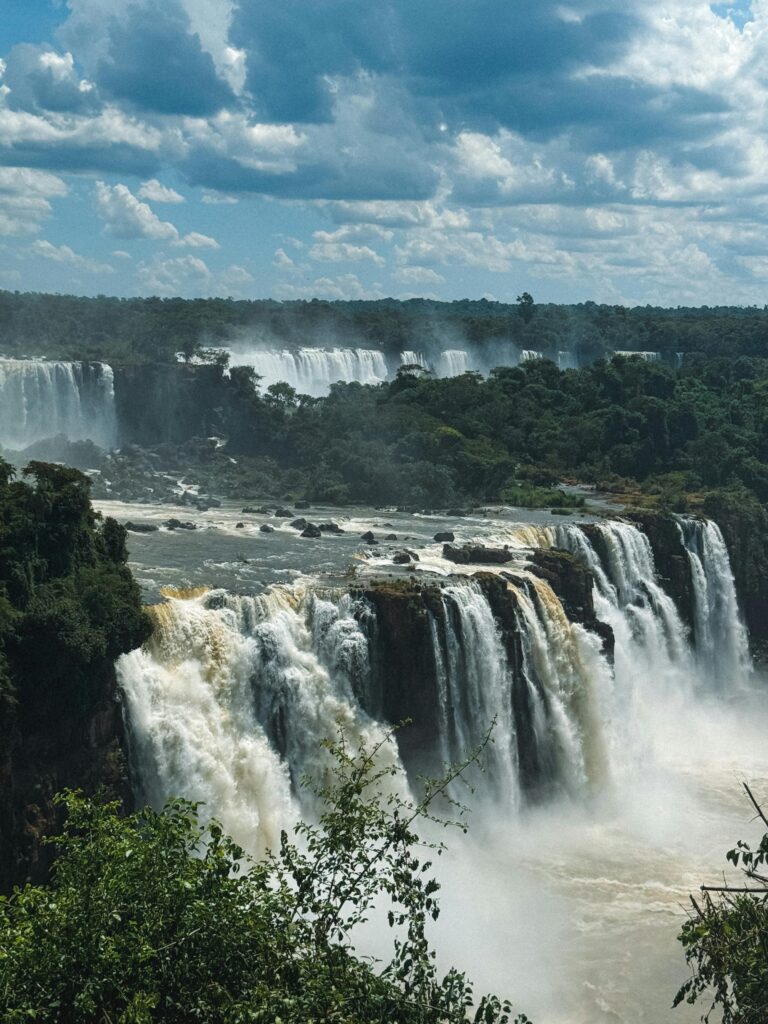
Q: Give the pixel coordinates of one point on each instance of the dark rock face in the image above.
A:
(311, 531)
(283, 513)
(168, 402)
(368, 537)
(79, 750)
(476, 554)
(446, 537)
(266, 528)
(403, 667)
(299, 524)
(672, 563)
(573, 583)
(141, 527)
(302, 505)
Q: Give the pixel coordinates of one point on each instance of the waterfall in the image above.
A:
(567, 360)
(646, 357)
(411, 358)
(722, 648)
(530, 354)
(40, 399)
(312, 370)
(230, 701)
(453, 362)
(547, 736)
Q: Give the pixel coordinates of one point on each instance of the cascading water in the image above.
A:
(40, 399)
(411, 358)
(722, 649)
(547, 734)
(453, 362)
(231, 699)
(312, 370)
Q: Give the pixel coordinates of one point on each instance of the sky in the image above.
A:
(351, 149)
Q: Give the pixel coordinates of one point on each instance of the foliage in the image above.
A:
(155, 917)
(726, 941)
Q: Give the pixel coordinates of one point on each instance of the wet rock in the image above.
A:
(299, 524)
(239, 526)
(405, 557)
(249, 511)
(391, 536)
(283, 513)
(476, 554)
(329, 528)
(368, 537)
(302, 504)
(179, 524)
(311, 530)
(266, 528)
(446, 536)
(141, 527)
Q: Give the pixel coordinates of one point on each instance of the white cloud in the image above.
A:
(155, 192)
(64, 254)
(418, 275)
(197, 241)
(191, 277)
(342, 252)
(283, 261)
(346, 286)
(125, 216)
(25, 199)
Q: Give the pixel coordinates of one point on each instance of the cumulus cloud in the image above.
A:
(341, 252)
(155, 192)
(191, 277)
(25, 199)
(125, 216)
(197, 241)
(64, 254)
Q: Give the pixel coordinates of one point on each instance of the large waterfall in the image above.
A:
(40, 399)
(613, 753)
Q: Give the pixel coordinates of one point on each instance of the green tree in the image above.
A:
(726, 940)
(156, 917)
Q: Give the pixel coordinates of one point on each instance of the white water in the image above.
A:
(231, 699)
(721, 640)
(568, 895)
(40, 399)
(311, 371)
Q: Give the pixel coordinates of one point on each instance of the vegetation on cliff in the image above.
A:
(155, 917)
(68, 607)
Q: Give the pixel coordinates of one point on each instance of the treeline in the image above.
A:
(152, 329)
(620, 424)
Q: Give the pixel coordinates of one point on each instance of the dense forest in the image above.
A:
(139, 330)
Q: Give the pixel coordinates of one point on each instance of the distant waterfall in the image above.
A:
(312, 370)
(722, 647)
(453, 362)
(232, 697)
(40, 399)
(411, 358)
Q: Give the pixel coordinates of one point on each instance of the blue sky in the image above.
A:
(358, 149)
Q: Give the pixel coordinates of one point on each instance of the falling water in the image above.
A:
(411, 358)
(722, 649)
(312, 370)
(232, 697)
(40, 399)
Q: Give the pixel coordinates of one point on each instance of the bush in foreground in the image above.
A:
(156, 917)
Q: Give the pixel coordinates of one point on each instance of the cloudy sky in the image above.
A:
(614, 150)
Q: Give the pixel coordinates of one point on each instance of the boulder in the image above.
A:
(299, 524)
(476, 554)
(391, 536)
(368, 537)
(178, 524)
(239, 526)
(446, 536)
(302, 504)
(283, 513)
(141, 527)
(311, 530)
(329, 528)
(266, 528)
